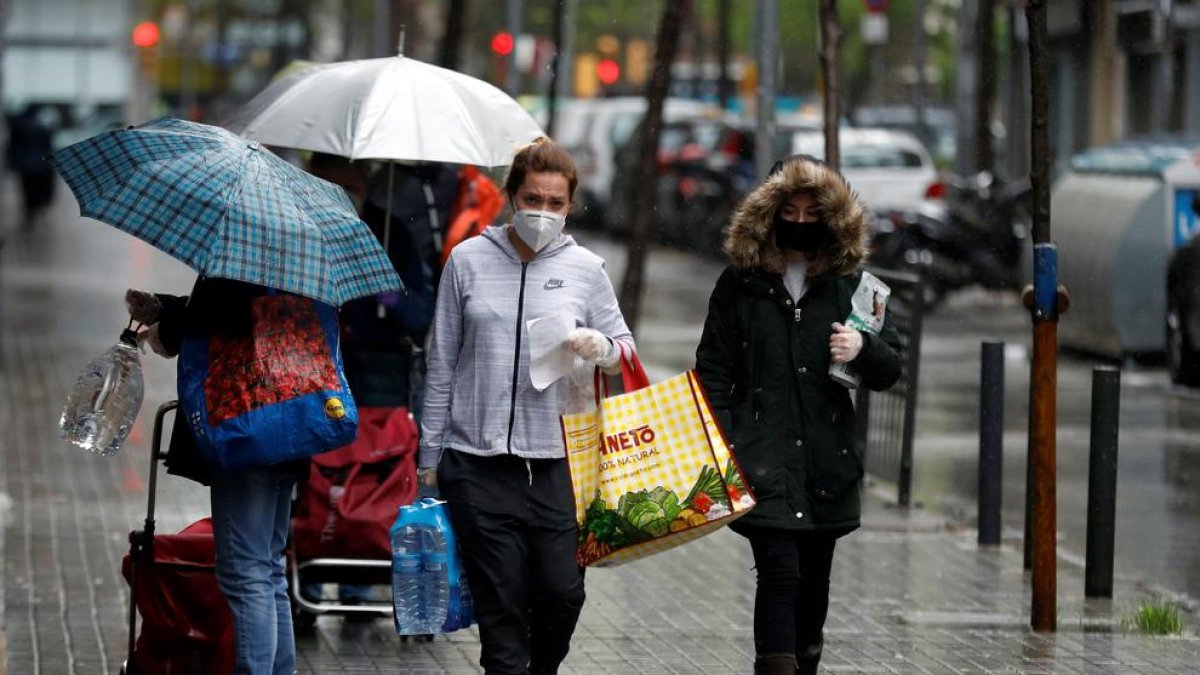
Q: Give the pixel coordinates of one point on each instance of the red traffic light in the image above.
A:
(502, 43)
(145, 34)
(608, 71)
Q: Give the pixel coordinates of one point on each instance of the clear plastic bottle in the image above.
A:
(408, 601)
(105, 400)
(436, 582)
(466, 602)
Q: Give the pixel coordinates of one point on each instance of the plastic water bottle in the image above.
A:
(408, 600)
(105, 399)
(435, 579)
(466, 602)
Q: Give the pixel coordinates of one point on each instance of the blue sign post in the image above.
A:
(1186, 222)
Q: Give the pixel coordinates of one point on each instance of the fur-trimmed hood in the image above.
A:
(750, 237)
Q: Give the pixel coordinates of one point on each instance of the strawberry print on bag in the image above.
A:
(287, 335)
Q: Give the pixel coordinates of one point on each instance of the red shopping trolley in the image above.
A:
(341, 516)
(186, 625)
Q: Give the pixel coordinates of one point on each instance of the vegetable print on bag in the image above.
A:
(650, 471)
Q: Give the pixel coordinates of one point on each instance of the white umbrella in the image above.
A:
(393, 108)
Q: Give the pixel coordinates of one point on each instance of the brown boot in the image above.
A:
(775, 664)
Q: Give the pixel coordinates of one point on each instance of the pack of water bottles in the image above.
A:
(429, 588)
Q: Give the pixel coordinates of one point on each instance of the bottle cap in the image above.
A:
(129, 337)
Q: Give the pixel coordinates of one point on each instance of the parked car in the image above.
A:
(1183, 312)
(610, 125)
(933, 126)
(889, 169)
(685, 177)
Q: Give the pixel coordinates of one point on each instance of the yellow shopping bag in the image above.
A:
(651, 470)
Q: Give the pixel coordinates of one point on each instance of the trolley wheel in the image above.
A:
(304, 619)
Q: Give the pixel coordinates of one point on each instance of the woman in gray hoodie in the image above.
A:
(490, 440)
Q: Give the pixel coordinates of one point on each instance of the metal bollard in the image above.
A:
(1102, 482)
(991, 441)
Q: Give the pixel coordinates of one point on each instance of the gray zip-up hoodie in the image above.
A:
(478, 395)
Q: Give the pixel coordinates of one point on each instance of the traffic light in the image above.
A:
(145, 38)
(608, 71)
(145, 35)
(502, 43)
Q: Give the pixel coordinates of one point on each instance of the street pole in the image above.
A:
(1164, 81)
(1046, 300)
(831, 37)
(188, 62)
(565, 76)
(552, 94)
(766, 23)
(724, 86)
(382, 37)
(513, 83)
(3, 118)
(966, 84)
(920, 95)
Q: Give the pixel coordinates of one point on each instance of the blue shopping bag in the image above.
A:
(425, 558)
(275, 395)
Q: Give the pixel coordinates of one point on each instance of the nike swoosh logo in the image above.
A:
(553, 284)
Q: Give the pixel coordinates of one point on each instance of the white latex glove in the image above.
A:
(845, 344)
(143, 307)
(148, 337)
(591, 345)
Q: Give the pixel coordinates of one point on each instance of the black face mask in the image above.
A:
(804, 237)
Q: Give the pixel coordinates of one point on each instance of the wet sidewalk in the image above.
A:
(912, 593)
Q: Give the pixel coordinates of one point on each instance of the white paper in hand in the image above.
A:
(550, 357)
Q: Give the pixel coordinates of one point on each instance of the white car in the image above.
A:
(890, 170)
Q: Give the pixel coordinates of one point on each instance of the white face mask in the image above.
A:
(538, 228)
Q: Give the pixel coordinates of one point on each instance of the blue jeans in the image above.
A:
(251, 509)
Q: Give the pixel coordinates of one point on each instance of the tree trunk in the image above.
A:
(673, 20)
(831, 37)
(452, 39)
(985, 33)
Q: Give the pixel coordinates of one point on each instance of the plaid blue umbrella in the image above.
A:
(228, 208)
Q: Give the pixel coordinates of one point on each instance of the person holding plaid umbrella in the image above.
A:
(251, 225)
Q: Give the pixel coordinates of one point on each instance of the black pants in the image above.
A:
(515, 522)
(792, 596)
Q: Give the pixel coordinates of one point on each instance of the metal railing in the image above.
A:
(885, 419)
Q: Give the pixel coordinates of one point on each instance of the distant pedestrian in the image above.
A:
(29, 147)
(491, 441)
(774, 327)
(422, 196)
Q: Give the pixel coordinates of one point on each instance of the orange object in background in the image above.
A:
(477, 205)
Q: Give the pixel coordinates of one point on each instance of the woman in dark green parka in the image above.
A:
(773, 329)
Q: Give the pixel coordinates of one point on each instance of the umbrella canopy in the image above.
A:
(229, 208)
(389, 108)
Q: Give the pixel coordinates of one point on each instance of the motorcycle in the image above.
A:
(978, 238)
